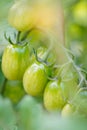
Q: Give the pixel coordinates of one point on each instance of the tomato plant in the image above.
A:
(48, 71)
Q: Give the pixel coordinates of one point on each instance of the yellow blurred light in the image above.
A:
(46, 16)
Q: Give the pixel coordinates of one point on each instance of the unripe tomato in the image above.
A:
(22, 15)
(53, 99)
(69, 82)
(69, 88)
(26, 14)
(15, 60)
(35, 79)
(67, 111)
(81, 102)
(14, 90)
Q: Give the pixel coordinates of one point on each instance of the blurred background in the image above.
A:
(76, 29)
(20, 112)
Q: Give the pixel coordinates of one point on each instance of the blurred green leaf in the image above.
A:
(7, 114)
(29, 113)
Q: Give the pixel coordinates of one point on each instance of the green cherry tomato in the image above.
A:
(81, 102)
(69, 88)
(67, 111)
(69, 82)
(22, 15)
(35, 79)
(14, 91)
(53, 99)
(15, 60)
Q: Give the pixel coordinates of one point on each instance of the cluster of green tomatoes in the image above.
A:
(58, 86)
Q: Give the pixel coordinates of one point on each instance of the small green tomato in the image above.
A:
(35, 79)
(15, 60)
(67, 111)
(53, 99)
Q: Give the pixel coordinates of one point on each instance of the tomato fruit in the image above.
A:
(69, 82)
(14, 91)
(22, 15)
(67, 111)
(15, 60)
(53, 99)
(69, 88)
(35, 79)
(81, 102)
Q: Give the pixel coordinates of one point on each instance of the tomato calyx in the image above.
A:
(43, 61)
(21, 43)
(3, 86)
(49, 70)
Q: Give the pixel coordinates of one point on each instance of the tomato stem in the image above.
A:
(18, 37)
(3, 86)
(26, 34)
(8, 39)
(44, 61)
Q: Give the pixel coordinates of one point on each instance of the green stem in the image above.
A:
(62, 66)
(47, 54)
(26, 34)
(3, 86)
(18, 36)
(79, 72)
